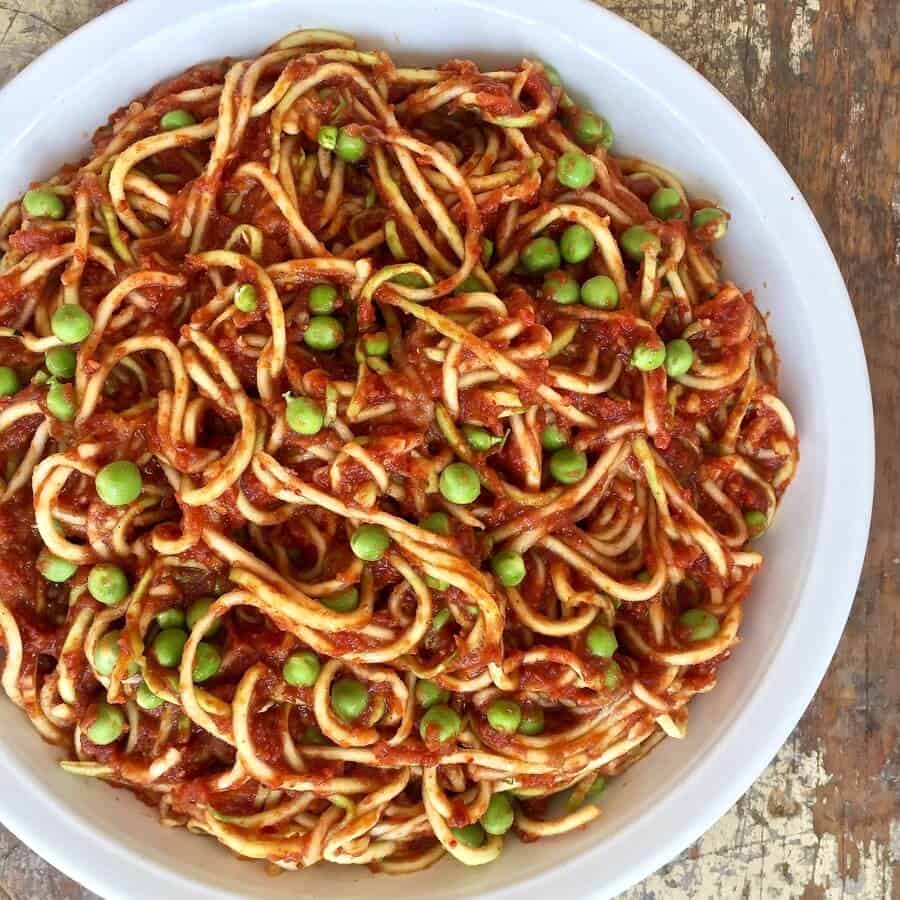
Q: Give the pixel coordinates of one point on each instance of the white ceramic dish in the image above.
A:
(663, 110)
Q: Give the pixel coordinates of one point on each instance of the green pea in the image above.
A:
(349, 699)
(313, 735)
(168, 646)
(108, 725)
(553, 438)
(504, 715)
(756, 522)
(560, 287)
(59, 402)
(647, 358)
(323, 333)
(471, 836)
(635, 240)
(469, 285)
(436, 584)
(574, 170)
(436, 522)
(601, 641)
(61, 362)
(576, 244)
(568, 466)
(301, 669)
(207, 662)
(176, 118)
(540, 255)
(410, 280)
(679, 357)
(350, 148)
(613, 675)
(328, 137)
(509, 567)
(713, 222)
(108, 584)
(119, 483)
(700, 624)
(369, 542)
(459, 483)
(428, 693)
(146, 699)
(322, 299)
(532, 720)
(170, 618)
(345, 601)
(44, 204)
(376, 344)
(197, 610)
(480, 438)
(71, 324)
(666, 204)
(591, 129)
(9, 381)
(53, 568)
(440, 723)
(600, 292)
(304, 416)
(498, 817)
(106, 652)
(245, 298)
(487, 251)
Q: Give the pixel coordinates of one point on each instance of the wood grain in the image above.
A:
(820, 80)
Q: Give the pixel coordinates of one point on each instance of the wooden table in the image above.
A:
(820, 80)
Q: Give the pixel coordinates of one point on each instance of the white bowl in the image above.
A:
(663, 110)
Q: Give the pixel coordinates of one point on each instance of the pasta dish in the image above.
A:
(380, 455)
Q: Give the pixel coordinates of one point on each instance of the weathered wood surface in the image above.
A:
(820, 80)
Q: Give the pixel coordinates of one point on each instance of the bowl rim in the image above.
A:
(52, 829)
